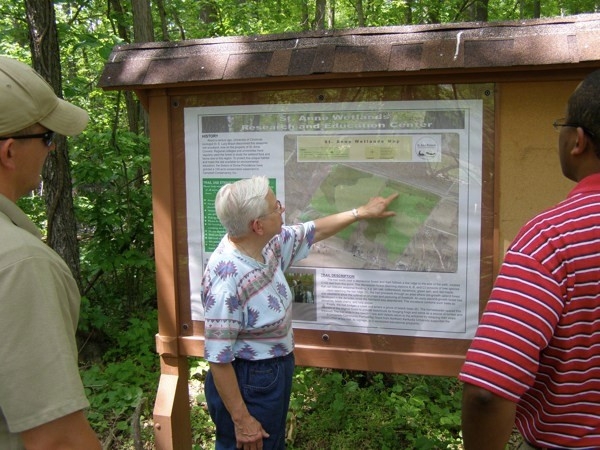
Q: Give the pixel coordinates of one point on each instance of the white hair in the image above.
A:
(238, 204)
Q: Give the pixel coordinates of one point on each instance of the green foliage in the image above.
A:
(211, 18)
(33, 206)
(111, 395)
(203, 429)
(342, 409)
(121, 389)
(113, 204)
(338, 410)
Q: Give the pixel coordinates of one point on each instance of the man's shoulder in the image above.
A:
(20, 246)
(561, 224)
(567, 212)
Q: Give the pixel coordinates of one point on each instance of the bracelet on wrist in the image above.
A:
(355, 213)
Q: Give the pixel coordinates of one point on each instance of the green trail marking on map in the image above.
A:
(345, 188)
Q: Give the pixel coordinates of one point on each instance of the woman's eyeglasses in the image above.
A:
(279, 208)
(47, 137)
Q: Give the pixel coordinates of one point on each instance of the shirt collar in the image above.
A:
(17, 216)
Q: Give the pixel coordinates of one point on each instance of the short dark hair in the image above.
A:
(583, 107)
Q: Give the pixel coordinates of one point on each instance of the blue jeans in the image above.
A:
(266, 386)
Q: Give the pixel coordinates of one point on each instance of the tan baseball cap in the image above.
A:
(26, 99)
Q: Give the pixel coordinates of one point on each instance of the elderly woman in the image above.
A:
(248, 310)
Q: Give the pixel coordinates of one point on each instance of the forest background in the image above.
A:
(95, 208)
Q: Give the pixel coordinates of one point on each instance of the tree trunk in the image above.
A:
(480, 10)
(529, 9)
(305, 20)
(208, 12)
(160, 4)
(320, 11)
(331, 15)
(143, 30)
(408, 18)
(360, 13)
(117, 12)
(56, 176)
(537, 9)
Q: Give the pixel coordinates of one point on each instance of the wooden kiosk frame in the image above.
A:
(397, 62)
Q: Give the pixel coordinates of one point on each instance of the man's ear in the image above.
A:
(6, 154)
(582, 143)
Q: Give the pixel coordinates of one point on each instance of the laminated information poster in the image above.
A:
(415, 274)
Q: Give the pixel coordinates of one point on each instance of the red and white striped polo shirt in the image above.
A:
(538, 342)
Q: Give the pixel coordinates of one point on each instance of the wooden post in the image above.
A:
(172, 428)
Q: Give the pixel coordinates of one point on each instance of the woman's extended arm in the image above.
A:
(376, 208)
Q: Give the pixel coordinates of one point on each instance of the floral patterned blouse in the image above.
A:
(247, 304)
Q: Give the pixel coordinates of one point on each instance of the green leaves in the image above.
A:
(343, 409)
(125, 380)
(113, 397)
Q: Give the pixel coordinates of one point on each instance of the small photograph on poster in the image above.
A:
(302, 285)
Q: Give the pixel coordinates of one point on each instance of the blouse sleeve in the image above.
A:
(295, 242)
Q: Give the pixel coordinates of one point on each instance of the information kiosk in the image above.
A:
(456, 118)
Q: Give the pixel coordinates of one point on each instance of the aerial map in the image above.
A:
(421, 237)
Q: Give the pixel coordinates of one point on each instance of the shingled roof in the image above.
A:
(475, 46)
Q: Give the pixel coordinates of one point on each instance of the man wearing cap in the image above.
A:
(42, 399)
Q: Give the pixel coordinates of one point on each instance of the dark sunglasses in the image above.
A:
(47, 137)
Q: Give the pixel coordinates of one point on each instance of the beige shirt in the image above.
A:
(39, 311)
